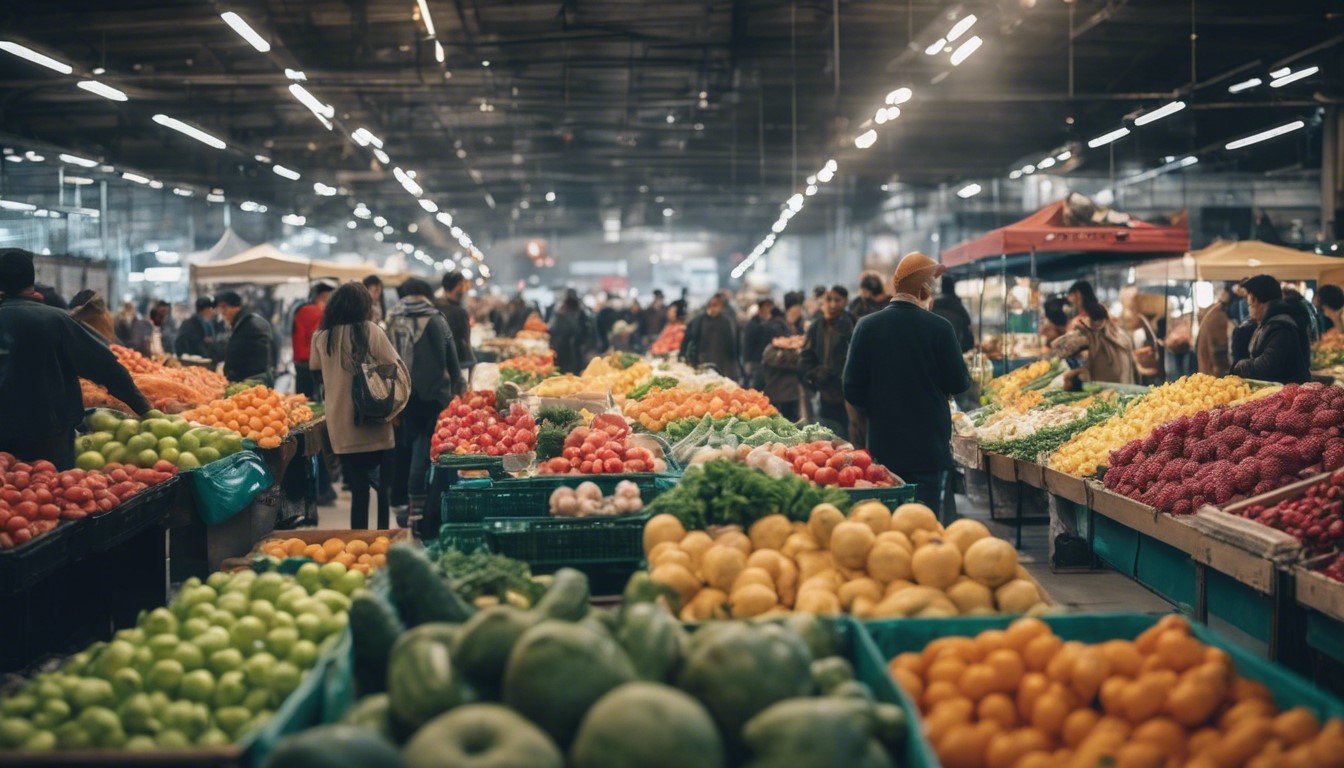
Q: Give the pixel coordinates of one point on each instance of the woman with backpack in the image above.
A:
(359, 412)
(1110, 351)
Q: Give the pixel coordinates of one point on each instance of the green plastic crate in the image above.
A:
(893, 497)
(569, 541)
(472, 501)
(894, 636)
(464, 537)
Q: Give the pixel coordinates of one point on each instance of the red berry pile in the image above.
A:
(35, 497)
(1228, 454)
(1335, 569)
(472, 424)
(1313, 519)
(825, 463)
(602, 448)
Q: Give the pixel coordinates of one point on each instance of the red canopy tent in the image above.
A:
(1045, 231)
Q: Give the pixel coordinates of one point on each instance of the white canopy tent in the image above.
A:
(1226, 260)
(228, 246)
(267, 265)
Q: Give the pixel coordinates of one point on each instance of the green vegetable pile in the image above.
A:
(524, 379)
(627, 359)
(482, 573)
(237, 387)
(728, 493)
(553, 426)
(1050, 438)
(657, 382)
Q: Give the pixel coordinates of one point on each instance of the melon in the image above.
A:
(822, 521)
(850, 542)
(909, 518)
(770, 532)
(643, 725)
(1017, 596)
(873, 514)
(937, 564)
(965, 532)
(662, 528)
(991, 561)
(888, 562)
(970, 595)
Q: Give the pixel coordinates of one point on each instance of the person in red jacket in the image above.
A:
(306, 320)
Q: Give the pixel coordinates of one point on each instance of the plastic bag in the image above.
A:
(226, 487)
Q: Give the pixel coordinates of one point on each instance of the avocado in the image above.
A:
(647, 725)
(481, 736)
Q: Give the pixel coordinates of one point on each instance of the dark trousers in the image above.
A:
(836, 417)
(929, 487)
(413, 435)
(358, 469)
(788, 410)
(58, 448)
(303, 380)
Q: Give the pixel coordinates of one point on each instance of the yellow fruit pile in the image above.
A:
(1090, 449)
(1007, 386)
(600, 377)
(873, 564)
(259, 413)
(1024, 698)
(356, 554)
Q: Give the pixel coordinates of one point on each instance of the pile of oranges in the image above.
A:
(662, 406)
(1024, 698)
(357, 555)
(259, 413)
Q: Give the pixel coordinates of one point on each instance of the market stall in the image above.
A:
(267, 265)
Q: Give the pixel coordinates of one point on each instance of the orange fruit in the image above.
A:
(1008, 669)
(295, 546)
(378, 560)
(1145, 697)
(1032, 686)
(1165, 733)
(1008, 747)
(1254, 709)
(999, 708)
(991, 640)
(1111, 696)
(364, 558)
(1296, 726)
(1090, 669)
(909, 682)
(1077, 726)
(946, 714)
(344, 558)
(1123, 656)
(333, 547)
(909, 660)
(934, 693)
(357, 547)
(1024, 630)
(978, 681)
(1038, 651)
(963, 745)
(1178, 650)
(1202, 740)
(947, 668)
(1051, 709)
(315, 552)
(1140, 755)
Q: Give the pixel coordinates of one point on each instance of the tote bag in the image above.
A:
(379, 390)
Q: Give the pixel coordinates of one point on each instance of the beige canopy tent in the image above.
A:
(267, 265)
(228, 246)
(1236, 260)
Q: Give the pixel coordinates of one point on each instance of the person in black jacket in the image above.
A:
(248, 354)
(763, 327)
(822, 361)
(421, 336)
(43, 353)
(711, 339)
(904, 364)
(1279, 350)
(459, 320)
(872, 295)
(568, 338)
(949, 307)
(1329, 300)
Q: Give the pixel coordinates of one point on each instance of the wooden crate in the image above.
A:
(317, 536)
(1319, 592)
(1142, 518)
(1001, 467)
(1065, 486)
(1030, 472)
(966, 452)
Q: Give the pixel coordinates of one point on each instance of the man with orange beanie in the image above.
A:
(904, 364)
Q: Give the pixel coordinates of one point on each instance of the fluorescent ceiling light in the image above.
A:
(288, 173)
(135, 177)
(1159, 113)
(960, 28)
(155, 184)
(811, 190)
(439, 54)
(382, 157)
(1028, 169)
(14, 205)
(1266, 135)
(78, 181)
(180, 192)
(967, 48)
(937, 46)
(1015, 174)
(106, 91)
(214, 198)
(294, 220)
(1244, 85)
(365, 137)
(825, 176)
(1048, 162)
(37, 58)
(245, 31)
(379, 221)
(324, 190)
(76, 160)
(14, 158)
(779, 226)
(190, 130)
(295, 74)
(407, 182)
(866, 139)
(429, 206)
(1065, 155)
(968, 191)
(1294, 77)
(1280, 72)
(1107, 138)
(262, 159)
(324, 112)
(796, 202)
(550, 196)
(444, 218)
(424, 16)
(899, 96)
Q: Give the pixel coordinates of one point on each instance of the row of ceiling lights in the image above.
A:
(888, 113)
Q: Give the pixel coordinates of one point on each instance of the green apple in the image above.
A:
(222, 618)
(191, 718)
(351, 582)
(116, 656)
(90, 461)
(213, 737)
(211, 640)
(230, 443)
(247, 633)
(332, 627)
(292, 595)
(282, 619)
(335, 601)
(14, 732)
(218, 580)
(170, 455)
(103, 420)
(197, 685)
(281, 640)
(159, 428)
(262, 609)
(144, 659)
(226, 660)
(127, 429)
(234, 602)
(258, 668)
(189, 655)
(20, 705)
(162, 646)
(205, 611)
(205, 454)
(172, 739)
(241, 582)
(140, 743)
(92, 692)
(134, 636)
(167, 443)
(309, 626)
(126, 682)
(231, 720)
(114, 452)
(103, 726)
(195, 626)
(159, 621)
(51, 713)
(40, 741)
(304, 654)
(70, 735)
(186, 461)
(146, 458)
(257, 700)
(166, 675)
(155, 413)
(284, 678)
(141, 442)
(331, 573)
(137, 713)
(180, 426)
(267, 586)
(196, 595)
(231, 689)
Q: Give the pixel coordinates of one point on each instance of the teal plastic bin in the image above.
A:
(226, 487)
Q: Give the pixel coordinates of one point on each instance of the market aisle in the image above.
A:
(1080, 592)
(337, 518)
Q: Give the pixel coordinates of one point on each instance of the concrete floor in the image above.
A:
(1080, 592)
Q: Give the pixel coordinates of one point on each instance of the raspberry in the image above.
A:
(1327, 418)
(1333, 455)
(1166, 498)
(1181, 507)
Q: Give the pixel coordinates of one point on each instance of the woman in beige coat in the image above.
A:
(345, 338)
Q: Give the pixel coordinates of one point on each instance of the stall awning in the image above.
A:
(1045, 231)
(1237, 260)
(267, 265)
(228, 246)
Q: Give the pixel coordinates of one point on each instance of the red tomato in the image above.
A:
(809, 470)
(614, 466)
(22, 536)
(19, 479)
(586, 467)
(827, 476)
(818, 458)
(849, 476)
(26, 509)
(606, 454)
(861, 459)
(837, 461)
(572, 452)
(49, 512)
(16, 523)
(876, 473)
(636, 465)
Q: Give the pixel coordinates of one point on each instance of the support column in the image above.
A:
(1332, 173)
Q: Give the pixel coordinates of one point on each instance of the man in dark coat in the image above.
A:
(711, 339)
(822, 361)
(763, 327)
(872, 295)
(904, 365)
(43, 353)
(1279, 349)
(949, 307)
(459, 321)
(197, 334)
(569, 335)
(248, 354)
